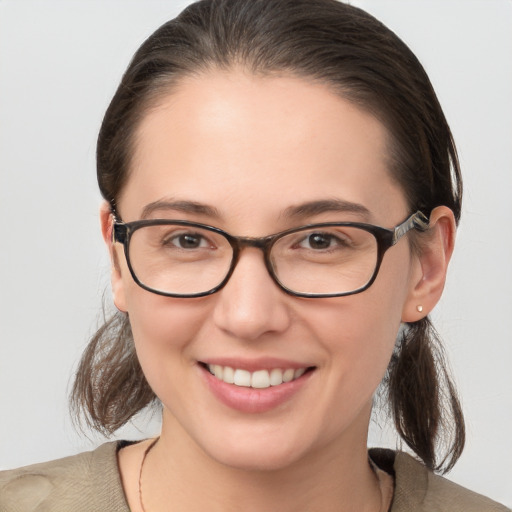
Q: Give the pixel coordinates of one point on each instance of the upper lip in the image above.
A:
(252, 365)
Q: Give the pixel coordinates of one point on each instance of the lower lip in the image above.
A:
(252, 400)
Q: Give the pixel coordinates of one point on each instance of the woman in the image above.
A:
(281, 195)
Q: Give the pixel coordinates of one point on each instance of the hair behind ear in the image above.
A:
(109, 385)
(422, 397)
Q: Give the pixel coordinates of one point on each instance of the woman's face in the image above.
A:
(245, 154)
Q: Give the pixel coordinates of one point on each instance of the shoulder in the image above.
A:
(417, 488)
(83, 482)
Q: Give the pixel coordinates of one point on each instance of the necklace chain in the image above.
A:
(383, 498)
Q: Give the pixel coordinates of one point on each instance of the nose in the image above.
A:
(251, 304)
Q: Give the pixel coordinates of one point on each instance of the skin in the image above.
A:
(251, 148)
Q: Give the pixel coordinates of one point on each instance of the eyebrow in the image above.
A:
(312, 208)
(304, 210)
(180, 206)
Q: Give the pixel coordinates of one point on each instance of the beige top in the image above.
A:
(90, 481)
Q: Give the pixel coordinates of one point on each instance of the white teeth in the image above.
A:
(229, 375)
(288, 375)
(276, 377)
(298, 373)
(217, 371)
(259, 379)
(242, 378)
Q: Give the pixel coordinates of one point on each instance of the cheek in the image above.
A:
(162, 329)
(380, 316)
(158, 322)
(360, 335)
(359, 332)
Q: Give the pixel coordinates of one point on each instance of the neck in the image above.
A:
(337, 478)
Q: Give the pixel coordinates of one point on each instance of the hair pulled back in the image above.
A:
(351, 52)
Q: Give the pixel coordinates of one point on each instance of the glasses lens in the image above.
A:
(181, 260)
(325, 260)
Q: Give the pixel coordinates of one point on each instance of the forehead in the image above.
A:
(245, 143)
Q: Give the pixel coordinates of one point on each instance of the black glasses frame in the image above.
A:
(386, 238)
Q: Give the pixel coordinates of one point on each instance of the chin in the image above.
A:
(256, 460)
(253, 452)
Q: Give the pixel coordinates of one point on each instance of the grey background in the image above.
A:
(60, 62)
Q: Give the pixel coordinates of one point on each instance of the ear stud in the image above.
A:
(419, 308)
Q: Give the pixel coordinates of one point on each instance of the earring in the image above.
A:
(419, 308)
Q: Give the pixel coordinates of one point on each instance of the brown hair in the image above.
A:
(350, 51)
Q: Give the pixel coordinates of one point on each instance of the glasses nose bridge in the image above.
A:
(246, 241)
(263, 244)
(241, 242)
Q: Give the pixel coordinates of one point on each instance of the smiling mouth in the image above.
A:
(259, 379)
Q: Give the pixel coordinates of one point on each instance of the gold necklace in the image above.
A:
(146, 451)
(384, 497)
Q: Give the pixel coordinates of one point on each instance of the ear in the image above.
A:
(429, 272)
(106, 220)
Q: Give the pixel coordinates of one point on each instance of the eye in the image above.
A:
(319, 241)
(186, 241)
(322, 241)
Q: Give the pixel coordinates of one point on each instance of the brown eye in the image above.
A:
(319, 241)
(189, 241)
(185, 241)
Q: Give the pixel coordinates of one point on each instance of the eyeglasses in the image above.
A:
(178, 258)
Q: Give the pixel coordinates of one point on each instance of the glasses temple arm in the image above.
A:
(417, 221)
